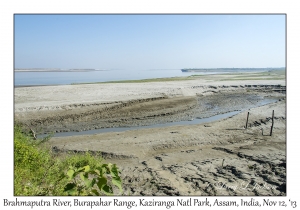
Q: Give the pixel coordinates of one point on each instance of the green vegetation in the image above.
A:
(87, 181)
(266, 75)
(38, 171)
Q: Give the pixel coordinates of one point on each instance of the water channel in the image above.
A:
(190, 122)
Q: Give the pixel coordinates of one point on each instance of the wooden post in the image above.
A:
(247, 120)
(272, 123)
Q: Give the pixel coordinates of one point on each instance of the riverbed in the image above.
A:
(185, 157)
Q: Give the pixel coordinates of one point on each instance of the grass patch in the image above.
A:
(266, 75)
(270, 75)
(253, 78)
(38, 171)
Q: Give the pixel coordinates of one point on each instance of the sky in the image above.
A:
(143, 42)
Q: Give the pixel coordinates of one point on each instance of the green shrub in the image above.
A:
(37, 171)
(87, 181)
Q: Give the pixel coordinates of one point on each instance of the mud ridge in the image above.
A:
(105, 155)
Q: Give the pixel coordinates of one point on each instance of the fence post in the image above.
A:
(247, 120)
(272, 123)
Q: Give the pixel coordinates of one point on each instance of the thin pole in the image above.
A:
(272, 123)
(247, 120)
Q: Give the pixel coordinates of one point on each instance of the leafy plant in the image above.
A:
(87, 181)
(39, 171)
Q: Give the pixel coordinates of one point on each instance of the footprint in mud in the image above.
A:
(158, 158)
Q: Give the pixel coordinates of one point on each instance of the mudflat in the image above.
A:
(222, 157)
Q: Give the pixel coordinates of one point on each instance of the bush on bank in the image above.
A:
(38, 171)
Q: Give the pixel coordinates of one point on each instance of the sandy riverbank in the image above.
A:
(177, 160)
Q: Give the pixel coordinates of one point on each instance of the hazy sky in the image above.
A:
(149, 41)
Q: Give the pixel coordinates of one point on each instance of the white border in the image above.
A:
(8, 8)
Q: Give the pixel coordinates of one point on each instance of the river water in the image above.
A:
(66, 78)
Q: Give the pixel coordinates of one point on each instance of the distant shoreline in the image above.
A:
(229, 69)
(57, 70)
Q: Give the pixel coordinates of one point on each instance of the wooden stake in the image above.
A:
(247, 120)
(272, 123)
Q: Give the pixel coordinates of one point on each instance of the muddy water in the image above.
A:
(189, 122)
(120, 129)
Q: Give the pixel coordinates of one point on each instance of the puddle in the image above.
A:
(191, 122)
